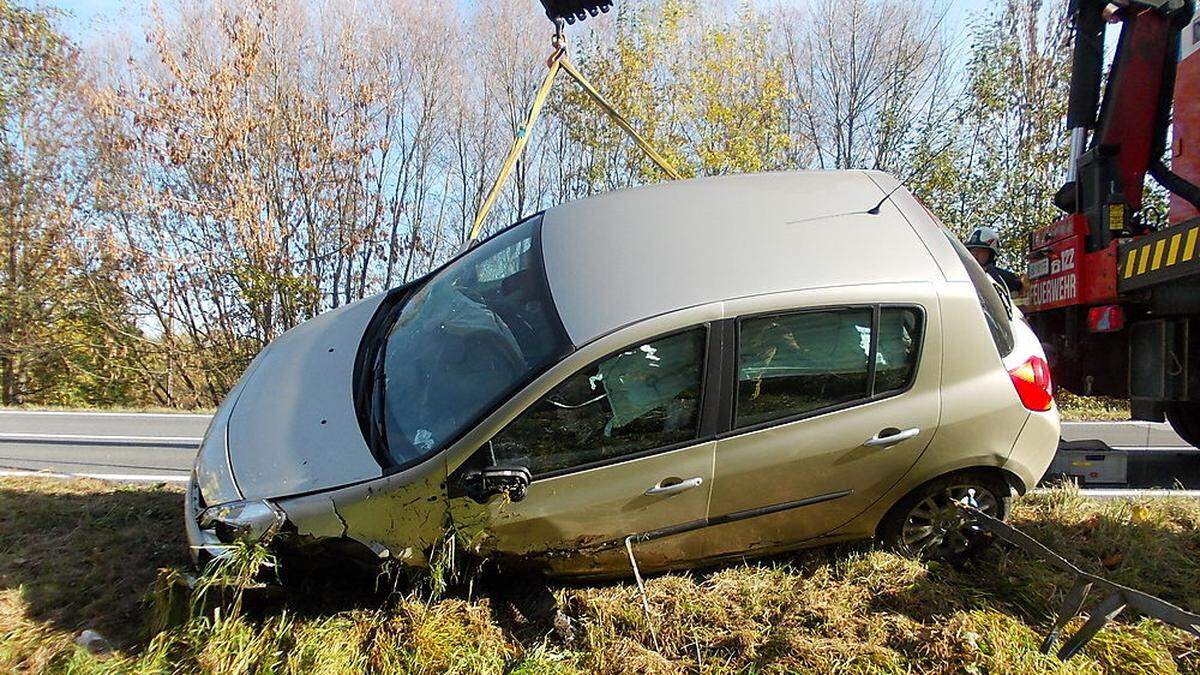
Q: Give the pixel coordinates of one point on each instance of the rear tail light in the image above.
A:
(1032, 381)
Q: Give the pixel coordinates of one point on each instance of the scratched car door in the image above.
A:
(614, 450)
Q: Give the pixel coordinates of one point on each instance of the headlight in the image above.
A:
(213, 473)
(249, 520)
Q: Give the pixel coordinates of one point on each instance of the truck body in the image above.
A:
(1115, 301)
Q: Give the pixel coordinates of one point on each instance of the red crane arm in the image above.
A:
(1130, 124)
(1107, 177)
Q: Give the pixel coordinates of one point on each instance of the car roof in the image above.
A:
(625, 256)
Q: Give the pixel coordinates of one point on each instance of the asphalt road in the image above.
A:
(141, 446)
(121, 446)
(1158, 458)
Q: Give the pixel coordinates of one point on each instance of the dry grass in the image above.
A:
(1090, 408)
(84, 554)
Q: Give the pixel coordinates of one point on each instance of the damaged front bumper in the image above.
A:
(211, 529)
(202, 545)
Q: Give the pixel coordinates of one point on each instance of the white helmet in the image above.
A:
(984, 237)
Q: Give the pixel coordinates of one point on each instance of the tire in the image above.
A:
(1185, 420)
(926, 525)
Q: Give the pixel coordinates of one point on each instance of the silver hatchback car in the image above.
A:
(711, 368)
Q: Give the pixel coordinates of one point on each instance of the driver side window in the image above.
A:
(642, 398)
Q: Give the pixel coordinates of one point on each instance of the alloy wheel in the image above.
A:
(937, 528)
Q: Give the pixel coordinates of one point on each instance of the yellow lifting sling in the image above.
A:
(558, 60)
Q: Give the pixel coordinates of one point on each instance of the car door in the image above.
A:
(832, 405)
(615, 449)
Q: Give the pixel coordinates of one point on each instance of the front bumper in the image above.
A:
(211, 528)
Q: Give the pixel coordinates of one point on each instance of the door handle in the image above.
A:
(891, 436)
(673, 488)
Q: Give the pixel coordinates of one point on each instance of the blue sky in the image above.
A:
(85, 17)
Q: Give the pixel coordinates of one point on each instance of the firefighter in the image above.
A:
(982, 244)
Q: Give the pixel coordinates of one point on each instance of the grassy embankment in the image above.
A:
(76, 555)
(1091, 408)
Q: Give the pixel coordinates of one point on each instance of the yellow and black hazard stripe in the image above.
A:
(1163, 256)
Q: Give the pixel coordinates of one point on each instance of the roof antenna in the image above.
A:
(874, 210)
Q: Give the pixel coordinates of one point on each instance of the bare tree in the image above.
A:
(261, 161)
(866, 75)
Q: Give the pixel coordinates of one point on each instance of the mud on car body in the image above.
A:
(717, 367)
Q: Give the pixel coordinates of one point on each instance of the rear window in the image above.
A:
(806, 362)
(992, 298)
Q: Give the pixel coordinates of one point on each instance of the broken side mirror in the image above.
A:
(482, 484)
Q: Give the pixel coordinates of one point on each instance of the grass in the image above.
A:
(76, 555)
(1090, 408)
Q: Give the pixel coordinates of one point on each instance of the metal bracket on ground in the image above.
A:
(637, 575)
(1117, 598)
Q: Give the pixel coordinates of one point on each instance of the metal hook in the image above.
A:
(558, 43)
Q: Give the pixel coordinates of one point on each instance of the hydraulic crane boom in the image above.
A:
(1107, 177)
(1115, 300)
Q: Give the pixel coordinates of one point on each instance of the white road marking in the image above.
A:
(1136, 448)
(1163, 425)
(103, 413)
(119, 477)
(102, 439)
(1123, 493)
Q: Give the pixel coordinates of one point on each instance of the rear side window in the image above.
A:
(643, 398)
(897, 352)
(793, 364)
(991, 298)
(790, 365)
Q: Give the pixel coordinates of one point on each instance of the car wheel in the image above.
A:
(1185, 420)
(926, 524)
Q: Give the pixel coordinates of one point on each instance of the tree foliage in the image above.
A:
(60, 289)
(1011, 151)
(170, 208)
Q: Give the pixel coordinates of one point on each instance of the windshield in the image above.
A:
(474, 333)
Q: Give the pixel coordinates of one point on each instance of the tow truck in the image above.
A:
(1115, 300)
